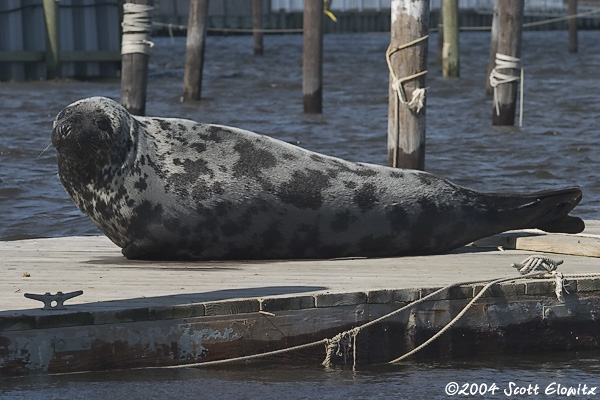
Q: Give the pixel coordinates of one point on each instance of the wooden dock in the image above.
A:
(153, 314)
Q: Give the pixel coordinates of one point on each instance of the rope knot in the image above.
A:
(415, 104)
(537, 263)
(541, 263)
(340, 345)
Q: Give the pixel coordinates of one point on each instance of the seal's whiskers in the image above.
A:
(43, 151)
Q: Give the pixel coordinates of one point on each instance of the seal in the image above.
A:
(174, 189)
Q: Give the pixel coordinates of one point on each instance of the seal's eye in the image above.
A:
(103, 124)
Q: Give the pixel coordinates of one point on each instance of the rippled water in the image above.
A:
(496, 377)
(557, 146)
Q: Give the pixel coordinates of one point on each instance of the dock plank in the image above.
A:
(586, 244)
(96, 266)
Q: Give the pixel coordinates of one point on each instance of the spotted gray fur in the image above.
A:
(165, 188)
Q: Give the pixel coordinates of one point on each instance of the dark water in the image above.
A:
(557, 146)
(495, 377)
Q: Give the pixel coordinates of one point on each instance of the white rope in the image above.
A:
(559, 286)
(244, 358)
(137, 25)
(417, 100)
(551, 20)
(460, 314)
(415, 104)
(537, 263)
(542, 263)
(504, 62)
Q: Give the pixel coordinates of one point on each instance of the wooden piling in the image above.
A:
(134, 69)
(450, 51)
(407, 61)
(493, 49)
(257, 27)
(194, 56)
(440, 46)
(52, 39)
(572, 26)
(510, 18)
(312, 57)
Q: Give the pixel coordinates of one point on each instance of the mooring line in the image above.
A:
(537, 266)
(462, 312)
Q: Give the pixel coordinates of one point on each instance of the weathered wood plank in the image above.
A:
(287, 303)
(585, 246)
(231, 307)
(577, 245)
(340, 299)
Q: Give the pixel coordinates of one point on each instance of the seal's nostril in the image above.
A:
(103, 124)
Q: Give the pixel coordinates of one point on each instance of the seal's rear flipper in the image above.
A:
(555, 206)
(566, 224)
(547, 210)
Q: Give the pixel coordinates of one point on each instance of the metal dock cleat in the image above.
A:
(57, 299)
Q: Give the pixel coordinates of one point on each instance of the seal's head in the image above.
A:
(95, 140)
(92, 136)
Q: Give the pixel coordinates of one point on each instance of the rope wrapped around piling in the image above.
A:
(417, 100)
(137, 26)
(504, 62)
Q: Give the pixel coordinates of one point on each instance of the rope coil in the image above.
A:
(497, 78)
(537, 263)
(137, 25)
